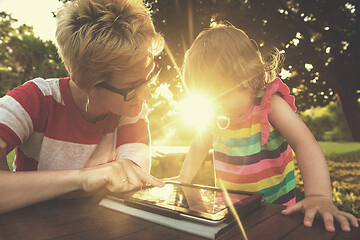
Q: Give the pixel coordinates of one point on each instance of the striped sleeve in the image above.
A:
(133, 141)
(20, 112)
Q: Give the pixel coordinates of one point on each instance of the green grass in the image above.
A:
(343, 159)
(10, 159)
(340, 147)
(345, 179)
(349, 151)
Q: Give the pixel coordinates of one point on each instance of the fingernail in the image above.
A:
(332, 229)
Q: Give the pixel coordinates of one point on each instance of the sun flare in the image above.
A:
(196, 111)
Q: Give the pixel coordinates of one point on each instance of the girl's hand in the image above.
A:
(318, 205)
(118, 176)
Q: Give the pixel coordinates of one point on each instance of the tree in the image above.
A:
(23, 56)
(319, 38)
(329, 44)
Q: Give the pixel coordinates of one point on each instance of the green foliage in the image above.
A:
(343, 159)
(345, 178)
(23, 56)
(345, 200)
(321, 53)
(10, 159)
(327, 123)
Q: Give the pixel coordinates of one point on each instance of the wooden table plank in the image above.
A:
(353, 235)
(84, 219)
(266, 230)
(316, 232)
(266, 211)
(262, 224)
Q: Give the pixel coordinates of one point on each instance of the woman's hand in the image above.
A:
(179, 178)
(118, 176)
(317, 205)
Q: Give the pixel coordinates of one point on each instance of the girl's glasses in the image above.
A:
(133, 92)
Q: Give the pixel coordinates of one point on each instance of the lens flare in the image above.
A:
(196, 111)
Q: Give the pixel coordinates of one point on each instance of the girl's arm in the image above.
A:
(313, 168)
(308, 152)
(19, 189)
(195, 157)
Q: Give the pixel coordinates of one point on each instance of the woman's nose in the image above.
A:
(145, 93)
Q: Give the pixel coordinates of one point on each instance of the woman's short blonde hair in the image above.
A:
(225, 54)
(98, 38)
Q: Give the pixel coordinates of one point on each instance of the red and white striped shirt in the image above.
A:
(40, 119)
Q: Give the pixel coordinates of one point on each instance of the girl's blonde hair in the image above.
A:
(226, 54)
(98, 38)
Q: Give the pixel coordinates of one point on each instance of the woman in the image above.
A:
(72, 129)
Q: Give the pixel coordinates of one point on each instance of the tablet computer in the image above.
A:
(192, 202)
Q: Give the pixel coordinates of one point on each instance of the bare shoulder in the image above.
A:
(281, 114)
(279, 106)
(277, 99)
(287, 122)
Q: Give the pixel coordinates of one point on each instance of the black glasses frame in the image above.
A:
(131, 93)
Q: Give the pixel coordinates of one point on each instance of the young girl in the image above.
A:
(256, 127)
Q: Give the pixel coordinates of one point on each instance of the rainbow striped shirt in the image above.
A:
(250, 155)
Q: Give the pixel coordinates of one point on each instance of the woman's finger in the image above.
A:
(133, 180)
(147, 177)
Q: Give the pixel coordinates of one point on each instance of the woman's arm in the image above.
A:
(19, 189)
(195, 157)
(313, 168)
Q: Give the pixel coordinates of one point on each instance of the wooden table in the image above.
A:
(82, 218)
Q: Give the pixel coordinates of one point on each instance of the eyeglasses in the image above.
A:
(133, 92)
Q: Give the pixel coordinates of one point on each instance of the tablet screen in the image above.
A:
(196, 201)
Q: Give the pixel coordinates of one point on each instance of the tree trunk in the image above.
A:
(345, 84)
(351, 110)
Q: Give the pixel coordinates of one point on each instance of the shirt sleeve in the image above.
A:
(133, 141)
(19, 114)
(275, 87)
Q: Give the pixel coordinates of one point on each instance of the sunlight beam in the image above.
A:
(190, 21)
(167, 137)
(196, 111)
(172, 59)
(232, 209)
